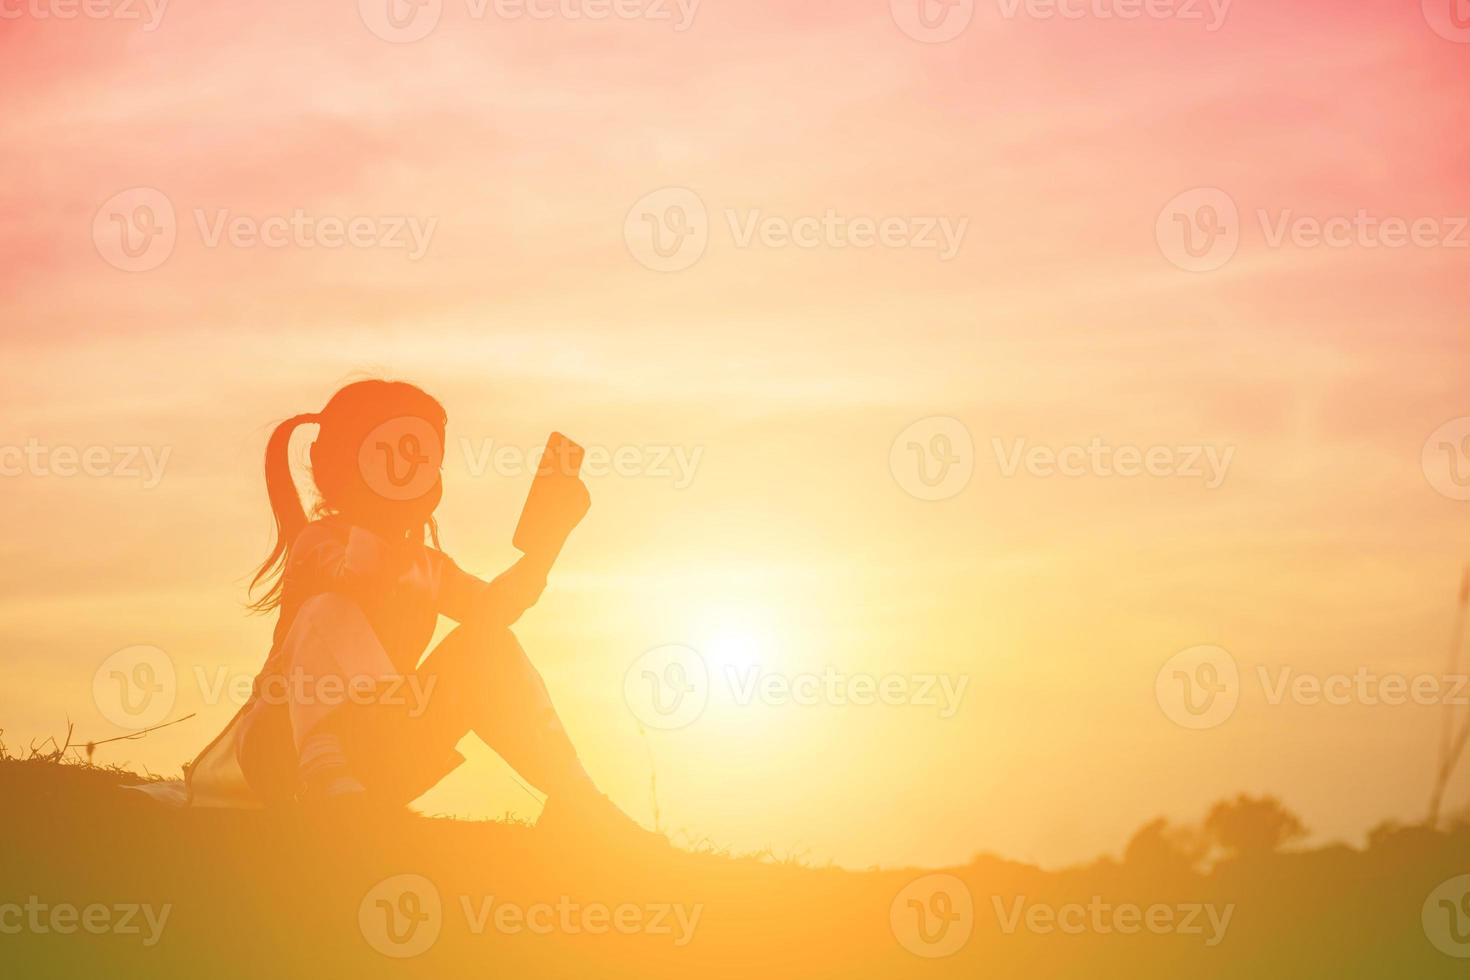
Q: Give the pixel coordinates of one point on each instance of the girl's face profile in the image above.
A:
(385, 473)
(400, 460)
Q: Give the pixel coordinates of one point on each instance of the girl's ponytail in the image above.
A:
(285, 507)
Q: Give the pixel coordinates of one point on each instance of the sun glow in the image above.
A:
(735, 648)
(738, 638)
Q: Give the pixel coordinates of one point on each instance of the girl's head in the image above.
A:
(375, 462)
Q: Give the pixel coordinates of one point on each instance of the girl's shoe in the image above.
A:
(596, 820)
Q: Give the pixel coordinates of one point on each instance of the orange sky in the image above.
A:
(519, 146)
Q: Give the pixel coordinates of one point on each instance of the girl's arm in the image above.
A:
(357, 563)
(500, 602)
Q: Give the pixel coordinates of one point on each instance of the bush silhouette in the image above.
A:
(1252, 827)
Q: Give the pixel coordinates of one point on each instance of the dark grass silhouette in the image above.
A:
(259, 895)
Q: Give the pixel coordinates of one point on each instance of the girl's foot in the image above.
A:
(324, 771)
(595, 819)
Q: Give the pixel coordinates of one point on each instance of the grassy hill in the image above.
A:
(224, 894)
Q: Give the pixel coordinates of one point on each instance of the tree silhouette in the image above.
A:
(1252, 827)
(1161, 848)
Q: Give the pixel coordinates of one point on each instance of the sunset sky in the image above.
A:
(526, 152)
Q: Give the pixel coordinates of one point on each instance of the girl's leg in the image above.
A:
(479, 679)
(330, 649)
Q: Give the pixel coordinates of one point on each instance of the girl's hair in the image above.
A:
(348, 418)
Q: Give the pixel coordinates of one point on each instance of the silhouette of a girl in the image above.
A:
(343, 714)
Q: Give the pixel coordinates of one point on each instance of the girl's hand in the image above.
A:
(572, 501)
(579, 501)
